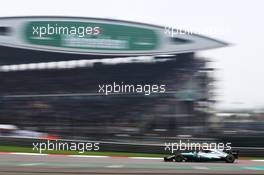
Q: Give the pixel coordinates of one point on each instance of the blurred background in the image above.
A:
(63, 102)
(211, 96)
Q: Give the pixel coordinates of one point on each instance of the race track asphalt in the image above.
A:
(58, 164)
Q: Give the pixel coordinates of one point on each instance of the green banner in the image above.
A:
(91, 36)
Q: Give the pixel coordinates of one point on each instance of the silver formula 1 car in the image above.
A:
(203, 156)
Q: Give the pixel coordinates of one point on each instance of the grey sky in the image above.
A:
(240, 66)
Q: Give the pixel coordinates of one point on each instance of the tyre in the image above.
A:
(178, 158)
(230, 158)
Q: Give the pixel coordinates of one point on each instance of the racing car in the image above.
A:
(204, 156)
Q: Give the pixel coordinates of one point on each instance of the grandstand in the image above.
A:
(65, 101)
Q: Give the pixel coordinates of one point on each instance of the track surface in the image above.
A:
(36, 164)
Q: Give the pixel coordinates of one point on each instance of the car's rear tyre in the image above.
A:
(230, 158)
(179, 158)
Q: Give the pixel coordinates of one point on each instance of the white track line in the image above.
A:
(29, 154)
(114, 166)
(83, 156)
(200, 168)
(148, 158)
(30, 164)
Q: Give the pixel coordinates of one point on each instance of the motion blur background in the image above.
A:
(212, 95)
